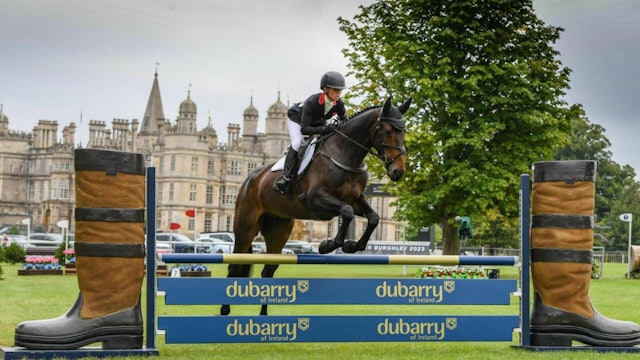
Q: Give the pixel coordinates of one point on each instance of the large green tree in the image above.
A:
(616, 190)
(487, 89)
(588, 142)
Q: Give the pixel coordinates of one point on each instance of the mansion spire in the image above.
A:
(154, 114)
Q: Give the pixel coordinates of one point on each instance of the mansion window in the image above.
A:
(229, 195)
(194, 164)
(207, 222)
(63, 184)
(399, 233)
(234, 168)
(192, 192)
(209, 195)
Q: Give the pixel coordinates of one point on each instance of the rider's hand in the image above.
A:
(329, 128)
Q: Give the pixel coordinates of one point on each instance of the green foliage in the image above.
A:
(59, 254)
(588, 142)
(487, 89)
(497, 231)
(2, 254)
(14, 230)
(14, 253)
(617, 231)
(1, 273)
(616, 190)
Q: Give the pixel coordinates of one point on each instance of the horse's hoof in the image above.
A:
(350, 247)
(326, 247)
(225, 310)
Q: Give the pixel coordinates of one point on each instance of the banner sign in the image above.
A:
(289, 291)
(351, 328)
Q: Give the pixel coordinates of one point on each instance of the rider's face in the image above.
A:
(333, 94)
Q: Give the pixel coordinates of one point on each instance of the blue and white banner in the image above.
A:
(289, 291)
(328, 328)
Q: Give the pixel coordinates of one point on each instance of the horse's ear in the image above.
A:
(387, 105)
(405, 106)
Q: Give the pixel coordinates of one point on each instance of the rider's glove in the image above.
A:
(329, 128)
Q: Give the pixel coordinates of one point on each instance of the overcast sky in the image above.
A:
(63, 58)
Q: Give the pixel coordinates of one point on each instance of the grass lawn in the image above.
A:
(40, 297)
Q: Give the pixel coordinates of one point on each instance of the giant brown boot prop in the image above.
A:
(109, 250)
(561, 250)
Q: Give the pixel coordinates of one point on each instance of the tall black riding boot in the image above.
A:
(561, 249)
(282, 183)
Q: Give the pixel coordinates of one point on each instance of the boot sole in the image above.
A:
(113, 338)
(565, 335)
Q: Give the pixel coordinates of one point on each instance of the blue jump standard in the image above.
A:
(340, 259)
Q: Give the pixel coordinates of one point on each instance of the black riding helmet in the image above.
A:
(332, 79)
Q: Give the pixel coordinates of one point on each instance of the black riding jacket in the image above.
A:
(313, 119)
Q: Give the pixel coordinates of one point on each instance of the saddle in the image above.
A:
(305, 155)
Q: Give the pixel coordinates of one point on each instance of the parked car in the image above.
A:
(222, 248)
(212, 241)
(259, 248)
(224, 235)
(10, 239)
(300, 247)
(181, 243)
(44, 240)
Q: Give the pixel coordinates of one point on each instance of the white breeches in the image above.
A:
(295, 134)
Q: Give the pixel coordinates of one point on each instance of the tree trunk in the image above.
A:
(450, 243)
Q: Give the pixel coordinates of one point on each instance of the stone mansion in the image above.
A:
(194, 171)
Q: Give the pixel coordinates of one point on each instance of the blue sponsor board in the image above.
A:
(284, 291)
(355, 328)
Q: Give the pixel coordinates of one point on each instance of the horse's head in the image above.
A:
(388, 138)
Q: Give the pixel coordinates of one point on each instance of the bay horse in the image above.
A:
(332, 186)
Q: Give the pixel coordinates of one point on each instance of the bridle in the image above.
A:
(379, 150)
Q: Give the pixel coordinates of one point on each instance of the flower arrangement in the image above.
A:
(69, 256)
(41, 263)
(428, 272)
(192, 267)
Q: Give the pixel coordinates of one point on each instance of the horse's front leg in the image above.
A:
(325, 202)
(362, 208)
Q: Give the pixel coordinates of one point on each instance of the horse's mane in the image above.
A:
(398, 124)
(359, 112)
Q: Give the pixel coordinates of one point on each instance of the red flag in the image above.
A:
(174, 226)
(190, 213)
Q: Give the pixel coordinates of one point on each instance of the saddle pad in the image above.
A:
(304, 163)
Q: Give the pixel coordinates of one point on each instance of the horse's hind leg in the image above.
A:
(236, 270)
(245, 229)
(276, 232)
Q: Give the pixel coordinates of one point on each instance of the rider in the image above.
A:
(311, 118)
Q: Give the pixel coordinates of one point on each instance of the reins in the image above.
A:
(378, 153)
